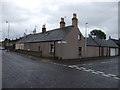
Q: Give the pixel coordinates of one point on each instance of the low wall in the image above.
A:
(34, 53)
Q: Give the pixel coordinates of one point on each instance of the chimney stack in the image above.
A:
(109, 37)
(62, 23)
(74, 20)
(34, 31)
(43, 29)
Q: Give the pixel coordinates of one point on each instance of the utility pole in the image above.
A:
(8, 32)
(85, 40)
(26, 31)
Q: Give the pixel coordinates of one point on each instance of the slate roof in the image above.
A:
(91, 42)
(100, 42)
(52, 35)
(105, 43)
(115, 40)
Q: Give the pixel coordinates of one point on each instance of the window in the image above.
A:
(59, 41)
(80, 51)
(79, 36)
(62, 41)
(39, 48)
(51, 48)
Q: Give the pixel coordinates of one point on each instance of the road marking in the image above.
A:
(78, 68)
(64, 65)
(106, 75)
(95, 72)
(99, 72)
(74, 66)
(87, 70)
(116, 78)
(90, 70)
(112, 75)
(70, 66)
(82, 68)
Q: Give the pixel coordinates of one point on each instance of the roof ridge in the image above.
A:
(55, 29)
(55, 34)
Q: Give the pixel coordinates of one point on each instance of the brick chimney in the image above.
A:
(62, 23)
(74, 20)
(43, 29)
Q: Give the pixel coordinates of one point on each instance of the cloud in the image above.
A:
(30, 13)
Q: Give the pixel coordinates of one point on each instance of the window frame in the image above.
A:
(79, 36)
(80, 51)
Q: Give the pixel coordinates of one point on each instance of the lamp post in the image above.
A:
(85, 39)
(8, 33)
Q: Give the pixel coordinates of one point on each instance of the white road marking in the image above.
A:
(112, 75)
(64, 65)
(83, 68)
(78, 68)
(116, 78)
(106, 75)
(87, 70)
(99, 72)
(90, 70)
(70, 66)
(74, 66)
(95, 72)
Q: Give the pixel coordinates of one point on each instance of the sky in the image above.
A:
(24, 15)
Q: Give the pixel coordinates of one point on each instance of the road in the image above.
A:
(0, 69)
(23, 71)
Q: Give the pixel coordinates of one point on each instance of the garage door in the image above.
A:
(112, 51)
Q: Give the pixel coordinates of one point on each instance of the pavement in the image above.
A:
(0, 69)
(24, 71)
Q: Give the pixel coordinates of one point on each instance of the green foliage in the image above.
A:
(6, 41)
(118, 44)
(98, 34)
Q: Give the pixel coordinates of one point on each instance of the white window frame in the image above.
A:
(62, 41)
(79, 37)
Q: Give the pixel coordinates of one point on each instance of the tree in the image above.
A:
(98, 34)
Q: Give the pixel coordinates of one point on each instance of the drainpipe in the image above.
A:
(109, 51)
(54, 49)
(85, 46)
(99, 51)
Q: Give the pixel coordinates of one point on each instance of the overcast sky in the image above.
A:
(26, 14)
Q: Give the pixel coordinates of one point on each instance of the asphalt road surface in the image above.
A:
(23, 71)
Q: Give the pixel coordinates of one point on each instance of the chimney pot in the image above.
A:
(74, 20)
(34, 31)
(43, 29)
(74, 15)
(62, 23)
